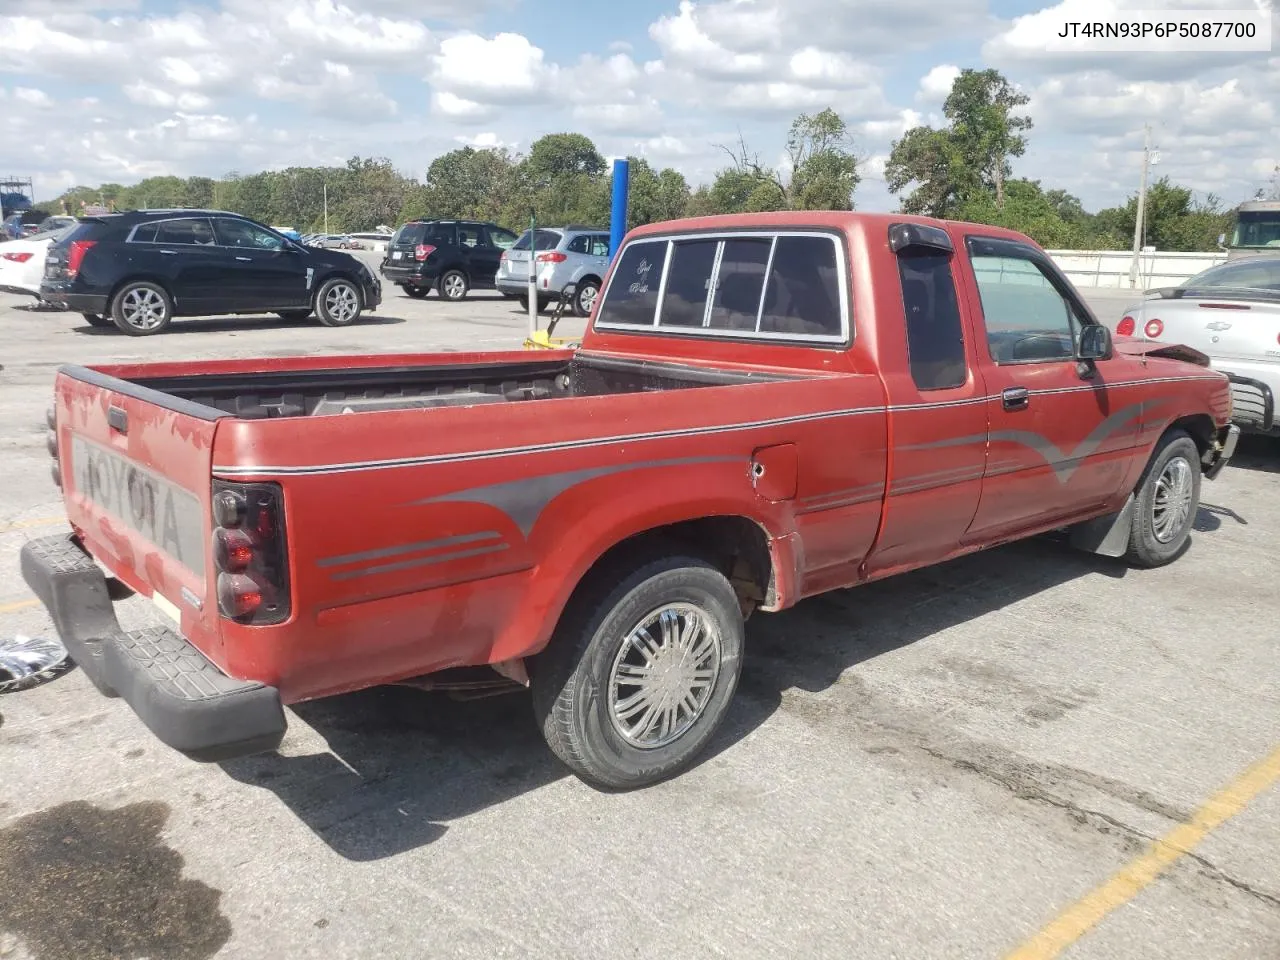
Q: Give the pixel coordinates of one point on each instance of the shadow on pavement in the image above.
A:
(1258, 453)
(403, 763)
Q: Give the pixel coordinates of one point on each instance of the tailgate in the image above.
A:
(136, 467)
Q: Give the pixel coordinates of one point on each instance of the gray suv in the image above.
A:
(566, 259)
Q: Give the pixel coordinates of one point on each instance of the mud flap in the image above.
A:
(1108, 535)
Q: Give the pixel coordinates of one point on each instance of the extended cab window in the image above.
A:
(633, 288)
(1027, 319)
(935, 337)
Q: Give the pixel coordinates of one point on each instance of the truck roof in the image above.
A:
(842, 220)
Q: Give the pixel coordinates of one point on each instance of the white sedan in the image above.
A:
(22, 262)
(1231, 313)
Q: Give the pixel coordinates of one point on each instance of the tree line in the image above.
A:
(961, 170)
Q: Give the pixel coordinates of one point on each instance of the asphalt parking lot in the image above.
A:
(954, 763)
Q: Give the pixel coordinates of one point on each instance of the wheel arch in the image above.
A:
(759, 563)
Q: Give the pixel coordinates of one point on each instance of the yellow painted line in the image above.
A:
(1086, 913)
(28, 524)
(20, 605)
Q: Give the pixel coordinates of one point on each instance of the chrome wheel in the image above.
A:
(342, 302)
(587, 299)
(143, 308)
(663, 675)
(1171, 505)
(455, 287)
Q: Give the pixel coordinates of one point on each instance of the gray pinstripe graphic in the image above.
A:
(420, 547)
(524, 500)
(418, 562)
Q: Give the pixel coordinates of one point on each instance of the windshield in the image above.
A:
(547, 240)
(1257, 228)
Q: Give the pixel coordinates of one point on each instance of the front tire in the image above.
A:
(338, 302)
(1165, 502)
(141, 309)
(454, 285)
(640, 672)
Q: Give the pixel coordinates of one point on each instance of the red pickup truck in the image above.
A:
(764, 407)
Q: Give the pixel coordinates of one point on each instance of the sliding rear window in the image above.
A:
(756, 285)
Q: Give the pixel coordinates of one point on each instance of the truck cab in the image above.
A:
(1256, 231)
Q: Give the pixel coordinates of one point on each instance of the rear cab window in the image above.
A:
(754, 284)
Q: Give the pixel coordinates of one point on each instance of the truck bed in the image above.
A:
(329, 390)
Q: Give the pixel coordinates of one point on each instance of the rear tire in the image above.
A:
(97, 320)
(453, 285)
(338, 302)
(1165, 502)
(584, 297)
(141, 309)
(640, 672)
(416, 292)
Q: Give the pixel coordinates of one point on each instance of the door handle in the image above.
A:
(245, 259)
(170, 253)
(1015, 398)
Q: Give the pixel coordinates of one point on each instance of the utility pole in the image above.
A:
(1142, 206)
(326, 207)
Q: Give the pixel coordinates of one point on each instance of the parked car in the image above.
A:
(452, 256)
(22, 261)
(1231, 313)
(141, 269)
(566, 258)
(764, 407)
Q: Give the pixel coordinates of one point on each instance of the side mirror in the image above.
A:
(1095, 343)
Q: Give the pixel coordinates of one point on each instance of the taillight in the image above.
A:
(422, 251)
(51, 443)
(75, 255)
(17, 257)
(249, 552)
(553, 257)
(1153, 329)
(1126, 327)
(503, 257)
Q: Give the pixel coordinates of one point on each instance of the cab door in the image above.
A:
(1062, 433)
(937, 406)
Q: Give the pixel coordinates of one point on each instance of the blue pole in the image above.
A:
(618, 215)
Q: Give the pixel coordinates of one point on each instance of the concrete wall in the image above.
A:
(1110, 268)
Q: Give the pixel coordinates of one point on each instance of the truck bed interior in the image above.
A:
(335, 390)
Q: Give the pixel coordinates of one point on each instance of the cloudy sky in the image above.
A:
(100, 90)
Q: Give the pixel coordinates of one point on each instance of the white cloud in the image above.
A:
(935, 86)
(504, 69)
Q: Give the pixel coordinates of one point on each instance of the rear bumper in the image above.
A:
(415, 275)
(182, 698)
(76, 302)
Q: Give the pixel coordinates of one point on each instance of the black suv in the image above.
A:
(453, 256)
(141, 269)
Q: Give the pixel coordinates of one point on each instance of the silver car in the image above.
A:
(566, 259)
(1231, 313)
